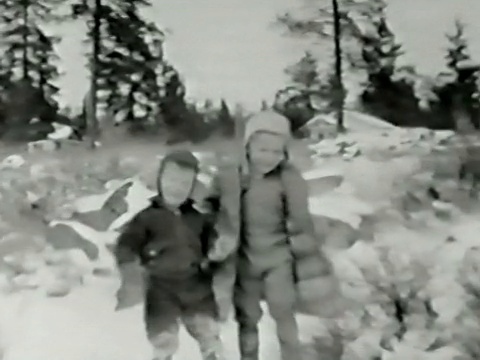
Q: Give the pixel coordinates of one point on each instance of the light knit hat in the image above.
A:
(267, 121)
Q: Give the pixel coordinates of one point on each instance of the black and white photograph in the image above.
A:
(239, 180)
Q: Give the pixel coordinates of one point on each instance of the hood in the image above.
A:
(181, 157)
(267, 121)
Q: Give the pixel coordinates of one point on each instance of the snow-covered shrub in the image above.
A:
(400, 316)
(405, 272)
(464, 331)
(42, 145)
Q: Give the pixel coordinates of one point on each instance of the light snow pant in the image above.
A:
(277, 286)
(223, 287)
(168, 305)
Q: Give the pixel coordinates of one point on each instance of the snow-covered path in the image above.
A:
(84, 325)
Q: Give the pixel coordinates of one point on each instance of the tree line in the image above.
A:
(363, 42)
(134, 83)
(132, 80)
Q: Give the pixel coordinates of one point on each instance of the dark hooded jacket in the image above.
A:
(170, 245)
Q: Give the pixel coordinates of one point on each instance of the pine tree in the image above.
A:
(46, 70)
(225, 120)
(264, 105)
(172, 98)
(210, 112)
(304, 74)
(312, 84)
(458, 50)
(307, 86)
(380, 49)
(328, 94)
(182, 119)
(241, 116)
(6, 72)
(239, 112)
(465, 92)
(388, 92)
(27, 68)
(126, 59)
(94, 15)
(131, 67)
(385, 95)
(29, 52)
(332, 21)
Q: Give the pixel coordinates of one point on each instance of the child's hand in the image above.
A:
(224, 246)
(128, 296)
(207, 266)
(131, 290)
(204, 265)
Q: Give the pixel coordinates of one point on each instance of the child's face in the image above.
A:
(266, 151)
(176, 183)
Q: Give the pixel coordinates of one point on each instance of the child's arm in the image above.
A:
(212, 199)
(304, 241)
(208, 238)
(227, 241)
(299, 218)
(129, 245)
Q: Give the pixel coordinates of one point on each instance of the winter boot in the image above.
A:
(248, 343)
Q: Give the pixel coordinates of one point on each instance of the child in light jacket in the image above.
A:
(266, 235)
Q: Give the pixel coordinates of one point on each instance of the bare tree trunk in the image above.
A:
(92, 118)
(339, 88)
(25, 41)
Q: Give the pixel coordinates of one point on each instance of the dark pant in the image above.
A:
(277, 286)
(191, 302)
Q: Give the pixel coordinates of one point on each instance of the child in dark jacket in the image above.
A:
(171, 239)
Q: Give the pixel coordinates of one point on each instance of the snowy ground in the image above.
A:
(84, 325)
(78, 321)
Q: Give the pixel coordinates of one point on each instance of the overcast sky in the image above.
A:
(228, 48)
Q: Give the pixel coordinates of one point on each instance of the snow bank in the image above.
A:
(382, 141)
(353, 120)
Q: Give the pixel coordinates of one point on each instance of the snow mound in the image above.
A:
(13, 162)
(353, 121)
(60, 132)
(382, 141)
